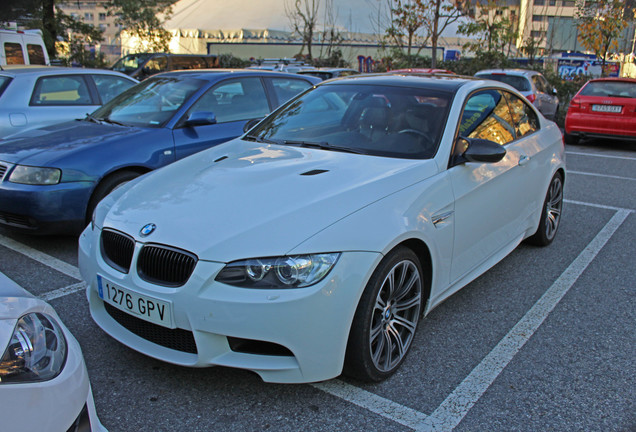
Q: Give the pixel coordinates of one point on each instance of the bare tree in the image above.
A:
(303, 17)
(441, 14)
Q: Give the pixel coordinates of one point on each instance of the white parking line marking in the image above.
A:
(601, 175)
(41, 257)
(377, 404)
(61, 292)
(600, 155)
(451, 412)
(601, 206)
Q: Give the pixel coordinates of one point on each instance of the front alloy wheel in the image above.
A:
(386, 319)
(550, 214)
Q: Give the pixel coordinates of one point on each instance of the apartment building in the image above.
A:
(95, 12)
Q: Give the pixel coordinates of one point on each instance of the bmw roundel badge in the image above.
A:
(147, 229)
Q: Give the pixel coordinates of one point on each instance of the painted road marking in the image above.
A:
(41, 257)
(61, 292)
(601, 175)
(600, 155)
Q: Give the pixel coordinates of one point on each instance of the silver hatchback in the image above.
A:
(36, 96)
(531, 84)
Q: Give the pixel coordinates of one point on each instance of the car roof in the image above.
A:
(443, 82)
(517, 72)
(215, 74)
(422, 70)
(23, 70)
(619, 79)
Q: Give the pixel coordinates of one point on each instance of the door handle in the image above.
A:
(523, 159)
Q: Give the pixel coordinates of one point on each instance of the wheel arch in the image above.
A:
(140, 170)
(423, 253)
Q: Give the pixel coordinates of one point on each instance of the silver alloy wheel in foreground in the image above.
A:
(554, 204)
(395, 315)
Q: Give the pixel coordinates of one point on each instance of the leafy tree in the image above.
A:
(440, 14)
(494, 31)
(600, 23)
(143, 20)
(407, 18)
(303, 17)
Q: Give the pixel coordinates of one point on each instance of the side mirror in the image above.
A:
(200, 118)
(250, 124)
(479, 150)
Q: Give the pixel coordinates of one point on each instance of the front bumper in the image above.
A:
(285, 336)
(64, 403)
(47, 209)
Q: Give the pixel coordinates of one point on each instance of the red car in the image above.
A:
(603, 108)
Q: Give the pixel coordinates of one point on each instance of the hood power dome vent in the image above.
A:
(314, 172)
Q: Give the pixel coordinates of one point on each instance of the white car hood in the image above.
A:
(243, 199)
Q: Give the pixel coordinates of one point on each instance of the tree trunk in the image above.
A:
(434, 34)
(48, 24)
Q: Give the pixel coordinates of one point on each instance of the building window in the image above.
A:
(538, 18)
(102, 16)
(88, 16)
(568, 3)
(537, 34)
(539, 2)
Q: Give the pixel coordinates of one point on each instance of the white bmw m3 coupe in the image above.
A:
(314, 243)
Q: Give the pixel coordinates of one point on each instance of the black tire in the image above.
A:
(382, 331)
(550, 214)
(106, 186)
(570, 139)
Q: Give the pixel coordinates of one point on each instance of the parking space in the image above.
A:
(543, 341)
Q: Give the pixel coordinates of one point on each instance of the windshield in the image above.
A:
(610, 89)
(518, 82)
(151, 103)
(130, 63)
(376, 120)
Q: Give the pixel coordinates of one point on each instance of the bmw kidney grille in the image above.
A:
(157, 264)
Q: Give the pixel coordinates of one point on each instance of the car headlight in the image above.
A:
(278, 272)
(37, 351)
(35, 175)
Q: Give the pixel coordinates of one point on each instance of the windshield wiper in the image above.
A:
(323, 145)
(115, 122)
(260, 139)
(90, 117)
(620, 96)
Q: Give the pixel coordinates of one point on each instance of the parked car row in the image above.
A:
(297, 228)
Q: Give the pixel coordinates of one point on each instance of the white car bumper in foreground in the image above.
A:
(63, 403)
(285, 336)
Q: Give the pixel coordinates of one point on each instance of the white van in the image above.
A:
(22, 47)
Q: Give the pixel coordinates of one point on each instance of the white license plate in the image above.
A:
(145, 307)
(607, 108)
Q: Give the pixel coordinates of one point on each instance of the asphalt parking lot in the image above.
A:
(544, 341)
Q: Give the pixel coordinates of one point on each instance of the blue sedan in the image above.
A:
(52, 178)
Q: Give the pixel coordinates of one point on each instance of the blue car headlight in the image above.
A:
(296, 271)
(35, 175)
(36, 352)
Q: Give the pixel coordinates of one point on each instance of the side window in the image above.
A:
(287, 88)
(536, 79)
(525, 119)
(486, 115)
(188, 63)
(237, 99)
(14, 54)
(156, 65)
(110, 86)
(36, 54)
(61, 90)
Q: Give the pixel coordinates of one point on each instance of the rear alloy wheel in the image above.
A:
(386, 319)
(551, 213)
